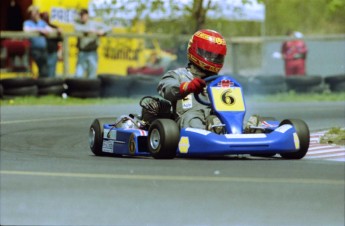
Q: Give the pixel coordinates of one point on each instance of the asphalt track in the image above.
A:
(50, 177)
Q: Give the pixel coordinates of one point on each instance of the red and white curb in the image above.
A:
(324, 151)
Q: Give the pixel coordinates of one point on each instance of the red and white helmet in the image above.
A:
(207, 50)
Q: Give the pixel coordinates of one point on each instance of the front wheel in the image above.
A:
(303, 134)
(163, 138)
(96, 134)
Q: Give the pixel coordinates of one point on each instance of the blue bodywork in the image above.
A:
(228, 104)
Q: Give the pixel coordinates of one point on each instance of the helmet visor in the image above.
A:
(211, 57)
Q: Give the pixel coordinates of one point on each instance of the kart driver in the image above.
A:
(206, 52)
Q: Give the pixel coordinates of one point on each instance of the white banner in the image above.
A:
(236, 10)
(226, 9)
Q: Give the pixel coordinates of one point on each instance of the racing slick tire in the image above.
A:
(1, 91)
(11, 83)
(56, 90)
(339, 87)
(144, 85)
(305, 84)
(21, 91)
(96, 135)
(84, 94)
(303, 135)
(84, 84)
(115, 85)
(48, 82)
(163, 138)
(263, 84)
(335, 79)
(83, 87)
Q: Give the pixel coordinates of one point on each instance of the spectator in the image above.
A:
(294, 53)
(88, 44)
(38, 49)
(52, 46)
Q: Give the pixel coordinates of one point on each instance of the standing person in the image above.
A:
(206, 52)
(52, 46)
(38, 50)
(294, 52)
(87, 45)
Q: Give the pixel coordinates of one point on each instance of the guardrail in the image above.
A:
(232, 42)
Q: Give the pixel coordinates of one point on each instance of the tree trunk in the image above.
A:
(199, 14)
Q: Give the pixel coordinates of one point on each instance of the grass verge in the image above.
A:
(56, 100)
(334, 136)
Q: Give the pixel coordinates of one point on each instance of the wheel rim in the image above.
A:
(92, 135)
(155, 139)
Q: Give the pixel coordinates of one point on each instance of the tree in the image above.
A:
(198, 13)
(307, 16)
(188, 16)
(129, 12)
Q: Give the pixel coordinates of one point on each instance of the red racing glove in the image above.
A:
(195, 86)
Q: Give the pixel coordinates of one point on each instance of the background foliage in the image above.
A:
(307, 16)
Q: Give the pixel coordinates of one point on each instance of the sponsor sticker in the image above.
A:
(108, 146)
(225, 83)
(296, 141)
(183, 145)
(266, 124)
(218, 40)
(63, 15)
(143, 133)
(131, 144)
(245, 136)
(200, 131)
(283, 128)
(187, 102)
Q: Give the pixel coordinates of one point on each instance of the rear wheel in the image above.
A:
(163, 139)
(303, 134)
(96, 135)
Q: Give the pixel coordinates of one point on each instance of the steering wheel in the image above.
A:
(197, 95)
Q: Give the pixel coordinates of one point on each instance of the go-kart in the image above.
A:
(159, 135)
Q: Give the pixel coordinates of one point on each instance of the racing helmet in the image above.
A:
(207, 49)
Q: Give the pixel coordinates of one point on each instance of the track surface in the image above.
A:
(49, 176)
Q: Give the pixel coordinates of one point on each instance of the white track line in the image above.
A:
(44, 119)
(175, 178)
